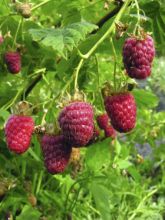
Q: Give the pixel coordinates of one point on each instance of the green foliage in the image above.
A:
(98, 155)
(155, 12)
(112, 179)
(63, 39)
(28, 213)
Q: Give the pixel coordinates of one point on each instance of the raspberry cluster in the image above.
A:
(76, 120)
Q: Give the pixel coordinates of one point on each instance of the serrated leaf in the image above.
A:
(145, 98)
(29, 213)
(63, 39)
(98, 155)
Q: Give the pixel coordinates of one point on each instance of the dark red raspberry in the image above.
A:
(109, 131)
(18, 131)
(102, 121)
(76, 122)
(138, 56)
(56, 153)
(13, 62)
(121, 109)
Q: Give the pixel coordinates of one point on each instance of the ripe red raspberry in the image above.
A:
(102, 121)
(56, 153)
(13, 62)
(138, 56)
(121, 109)
(76, 122)
(109, 131)
(18, 131)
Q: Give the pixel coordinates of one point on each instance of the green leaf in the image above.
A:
(145, 98)
(124, 164)
(97, 155)
(134, 173)
(29, 213)
(4, 114)
(63, 39)
(101, 197)
(117, 147)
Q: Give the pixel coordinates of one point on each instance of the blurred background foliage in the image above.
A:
(122, 179)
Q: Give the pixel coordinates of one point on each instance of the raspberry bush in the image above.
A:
(82, 119)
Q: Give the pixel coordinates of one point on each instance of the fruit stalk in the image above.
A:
(109, 31)
(115, 58)
(77, 73)
(19, 25)
(138, 17)
(40, 4)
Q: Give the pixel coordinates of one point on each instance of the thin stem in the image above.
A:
(23, 168)
(39, 182)
(19, 25)
(40, 5)
(109, 31)
(138, 19)
(77, 73)
(34, 182)
(43, 120)
(110, 14)
(10, 103)
(34, 155)
(3, 22)
(115, 59)
(75, 200)
(97, 65)
(72, 186)
(141, 203)
(138, 10)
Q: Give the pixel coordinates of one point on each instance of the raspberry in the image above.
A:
(121, 109)
(138, 56)
(13, 62)
(102, 121)
(76, 122)
(109, 131)
(18, 131)
(56, 153)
